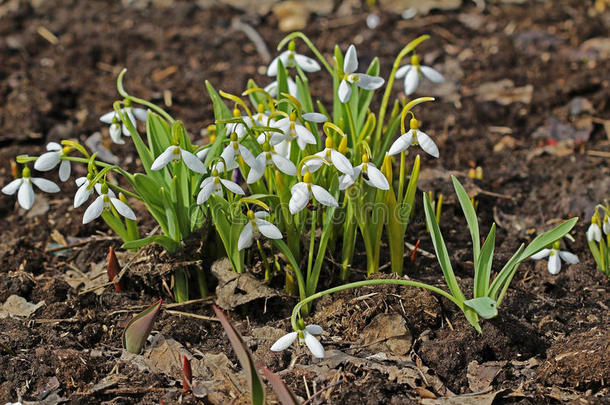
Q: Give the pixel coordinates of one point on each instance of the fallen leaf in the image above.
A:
(507, 142)
(292, 15)
(387, 332)
(18, 306)
(504, 92)
(480, 376)
(466, 399)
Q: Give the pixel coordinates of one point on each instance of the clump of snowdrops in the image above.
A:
(598, 237)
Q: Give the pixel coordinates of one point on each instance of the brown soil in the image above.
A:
(551, 340)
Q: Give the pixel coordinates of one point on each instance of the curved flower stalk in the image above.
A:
(362, 80)
(412, 74)
(114, 120)
(48, 161)
(25, 192)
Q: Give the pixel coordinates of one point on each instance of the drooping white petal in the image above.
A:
(369, 82)
(432, 74)
(245, 237)
(376, 178)
(411, 81)
(271, 88)
(233, 187)
(292, 88)
(299, 198)
(108, 117)
(47, 161)
(206, 191)
(594, 233)
(94, 210)
(284, 165)
(82, 195)
(284, 342)
(45, 185)
(268, 229)
(203, 153)
(313, 164)
(12, 187)
(345, 181)
(341, 163)
(554, 264)
(125, 130)
(402, 143)
(345, 90)
(315, 117)
(115, 134)
(81, 180)
(402, 71)
(228, 154)
(247, 156)
(25, 195)
(257, 171)
(64, 170)
(123, 209)
(207, 181)
(261, 214)
(53, 146)
(315, 347)
(304, 134)
(314, 329)
(140, 114)
(541, 255)
(427, 144)
(192, 162)
(272, 69)
(164, 158)
(323, 196)
(306, 63)
(350, 63)
(606, 226)
(568, 257)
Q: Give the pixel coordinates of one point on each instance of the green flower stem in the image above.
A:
(265, 260)
(312, 242)
(122, 92)
(297, 308)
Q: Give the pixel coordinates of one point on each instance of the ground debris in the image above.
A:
(18, 306)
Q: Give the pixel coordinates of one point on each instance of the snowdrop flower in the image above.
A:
(554, 255)
(414, 137)
(305, 336)
(270, 158)
(48, 161)
(103, 202)
(291, 59)
(364, 81)
(114, 120)
(235, 149)
(302, 192)
(175, 153)
(412, 72)
(332, 155)
(293, 90)
(606, 225)
(24, 189)
(84, 192)
(594, 233)
(371, 175)
(213, 185)
(257, 225)
(293, 129)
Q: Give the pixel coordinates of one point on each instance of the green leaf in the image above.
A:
(505, 276)
(115, 224)
(471, 217)
(484, 306)
(482, 268)
(158, 133)
(257, 390)
(283, 393)
(169, 244)
(138, 329)
(547, 238)
(366, 96)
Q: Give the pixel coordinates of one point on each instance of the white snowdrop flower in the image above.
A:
(235, 149)
(25, 191)
(84, 192)
(292, 129)
(49, 160)
(175, 153)
(372, 21)
(606, 225)
(256, 226)
(554, 256)
(240, 128)
(414, 137)
(302, 192)
(594, 233)
(332, 155)
(306, 336)
(291, 59)
(270, 158)
(293, 90)
(103, 202)
(364, 81)
(113, 119)
(412, 72)
(213, 185)
(370, 174)
(203, 153)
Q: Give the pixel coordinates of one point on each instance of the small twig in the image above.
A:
(205, 318)
(321, 390)
(254, 36)
(598, 153)
(195, 301)
(48, 35)
(77, 244)
(54, 320)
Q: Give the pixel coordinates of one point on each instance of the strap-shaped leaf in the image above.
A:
(366, 96)
(484, 306)
(283, 393)
(158, 133)
(138, 329)
(505, 275)
(482, 268)
(547, 238)
(471, 217)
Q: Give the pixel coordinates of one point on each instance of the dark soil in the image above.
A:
(551, 340)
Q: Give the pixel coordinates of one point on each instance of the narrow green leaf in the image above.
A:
(158, 133)
(169, 244)
(138, 329)
(471, 217)
(283, 393)
(505, 275)
(547, 238)
(484, 306)
(482, 268)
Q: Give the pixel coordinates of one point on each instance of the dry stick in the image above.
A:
(423, 252)
(253, 36)
(321, 390)
(188, 314)
(77, 244)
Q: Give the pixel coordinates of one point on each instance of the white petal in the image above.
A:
(164, 158)
(247, 156)
(315, 347)
(81, 180)
(606, 226)
(306, 63)
(376, 178)
(314, 329)
(292, 88)
(315, 117)
(369, 82)
(313, 164)
(350, 63)
(82, 195)
(94, 210)
(284, 342)
(192, 162)
(64, 170)
(261, 214)
(109, 116)
(140, 113)
(233, 187)
(283, 149)
(554, 264)
(594, 233)
(115, 134)
(411, 81)
(402, 143)
(203, 153)
(277, 138)
(341, 163)
(12, 187)
(432, 74)
(47, 161)
(345, 181)
(568, 257)
(25, 196)
(323, 196)
(402, 71)
(299, 199)
(345, 90)
(206, 191)
(245, 237)
(125, 130)
(541, 255)
(272, 71)
(123, 208)
(284, 165)
(427, 144)
(228, 154)
(271, 88)
(257, 171)
(268, 229)
(304, 134)
(45, 185)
